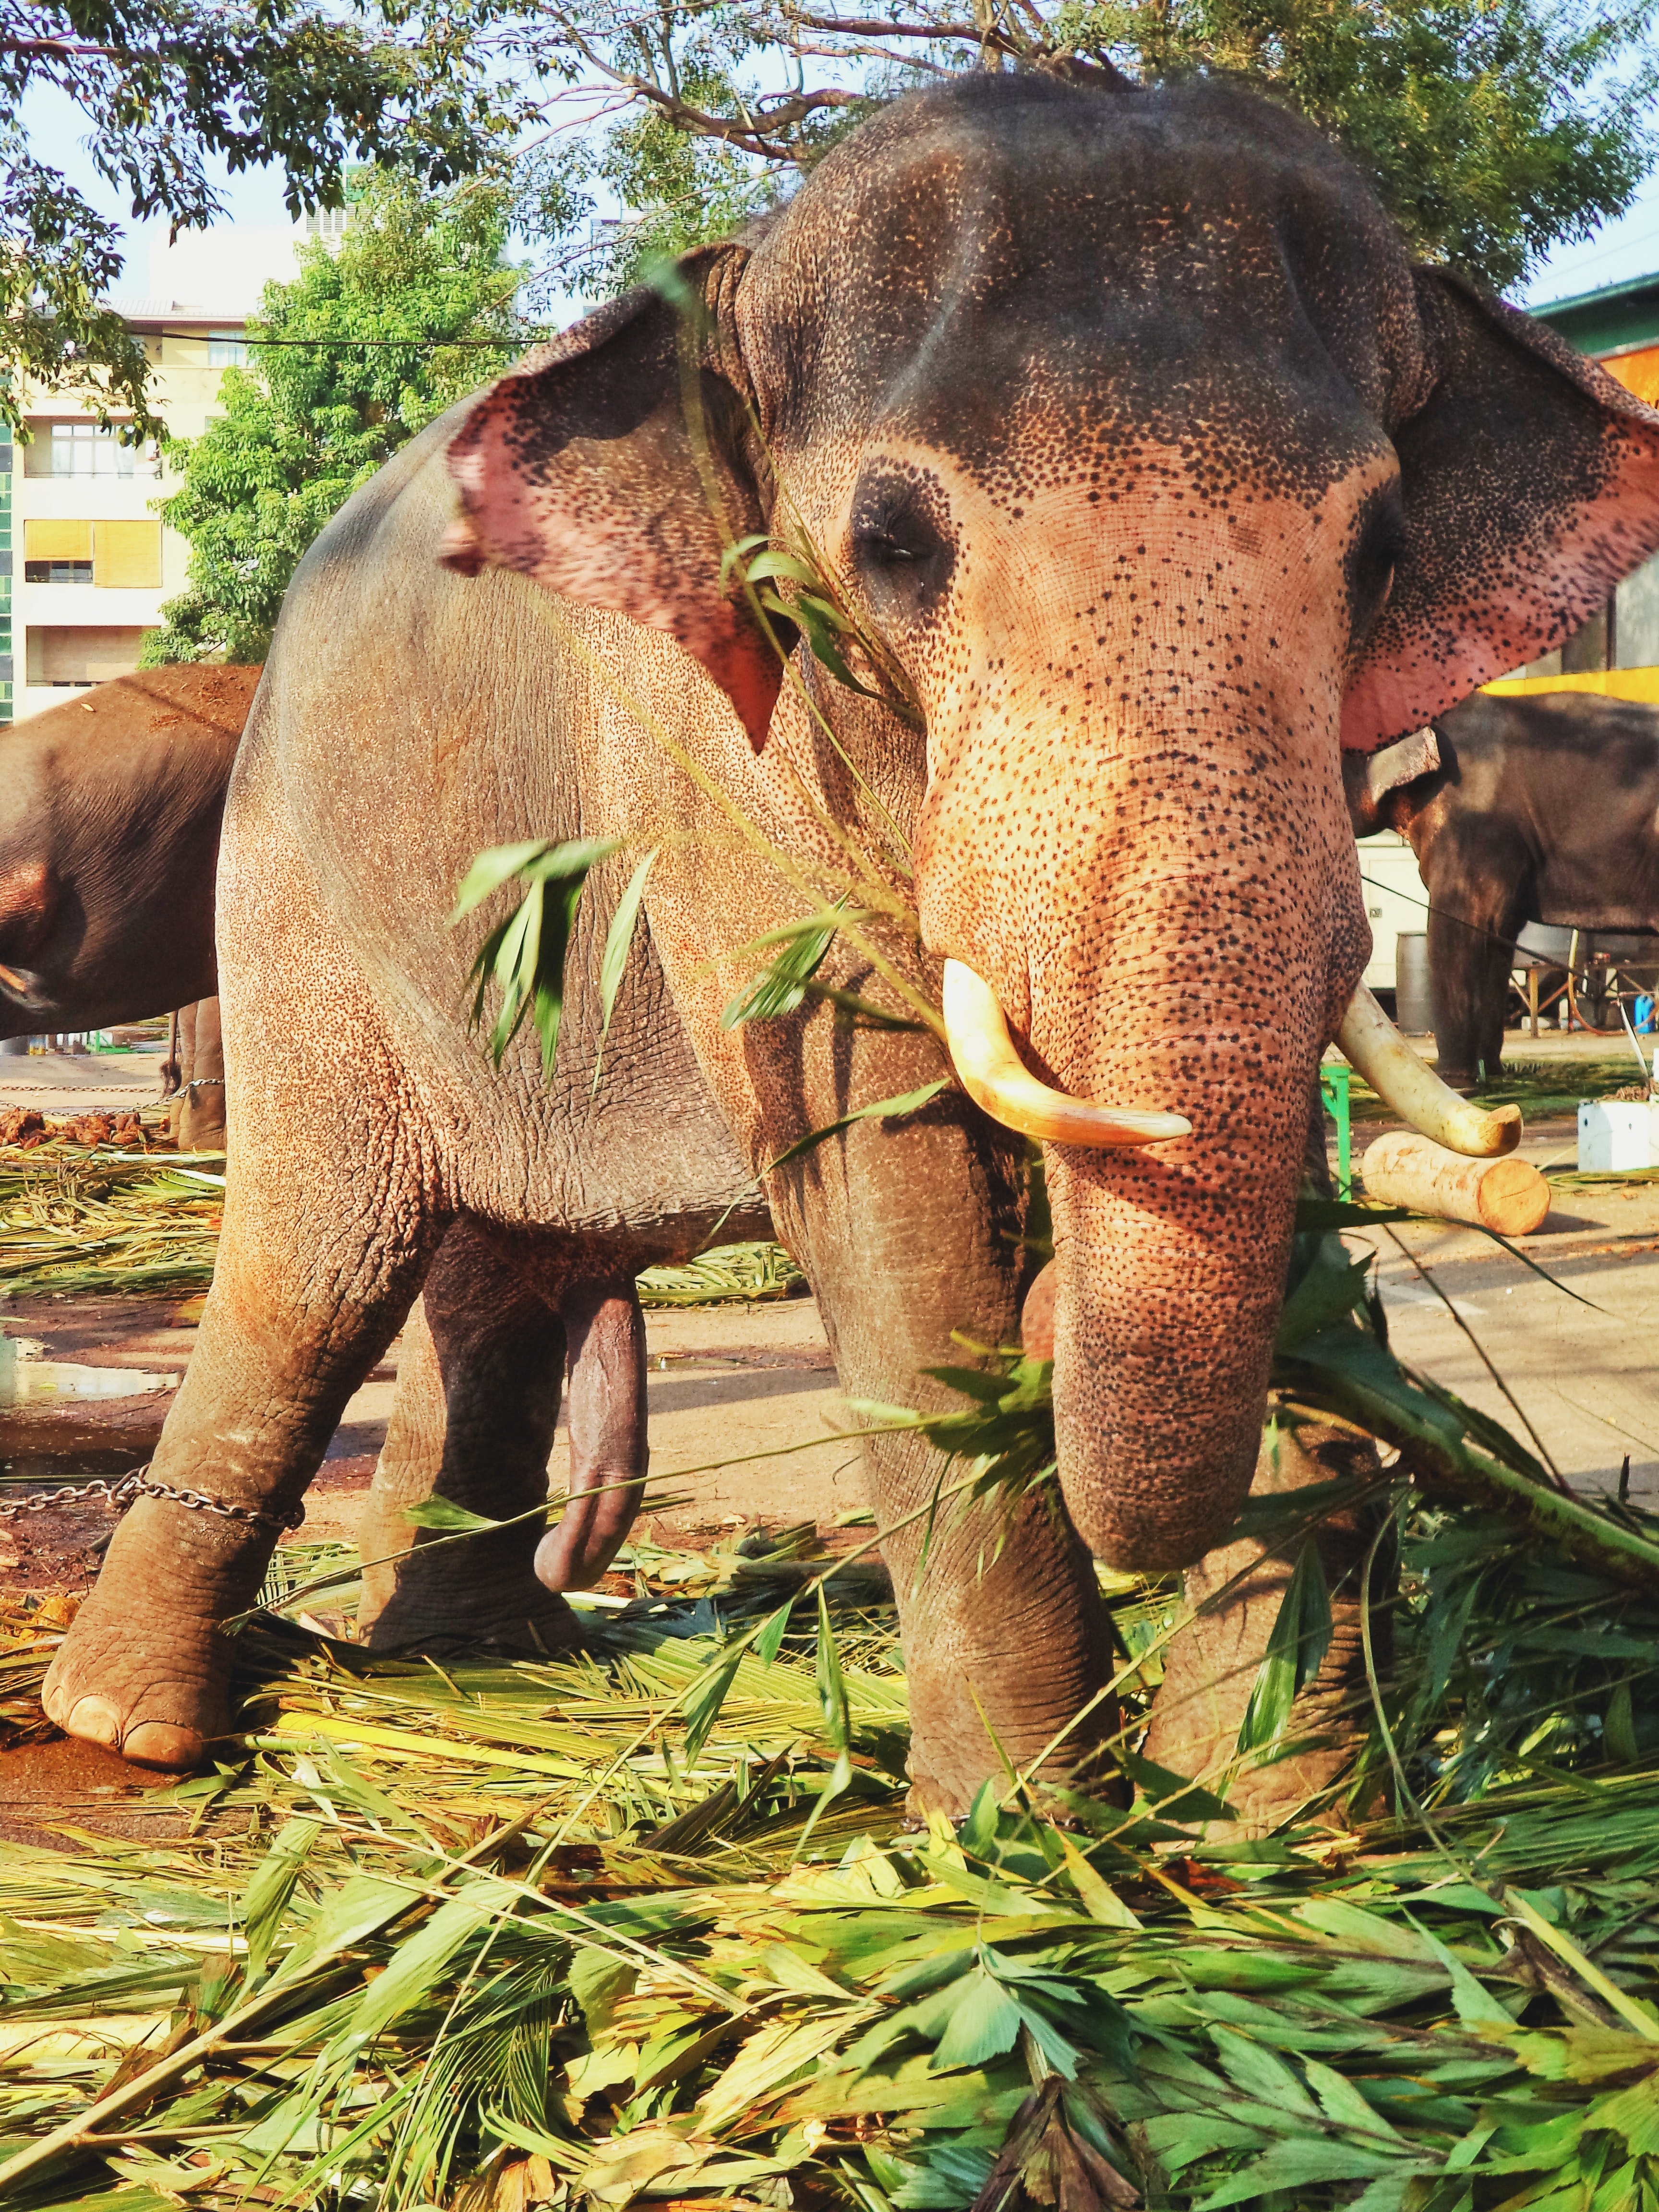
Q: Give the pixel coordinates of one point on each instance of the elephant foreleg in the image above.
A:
(1211, 1664)
(1477, 886)
(1007, 1645)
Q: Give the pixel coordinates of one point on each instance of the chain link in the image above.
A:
(110, 1492)
(142, 1484)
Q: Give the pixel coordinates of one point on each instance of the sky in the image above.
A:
(1617, 252)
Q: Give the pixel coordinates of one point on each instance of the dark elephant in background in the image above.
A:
(1540, 807)
(1155, 474)
(110, 811)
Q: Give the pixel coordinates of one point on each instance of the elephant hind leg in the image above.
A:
(478, 1387)
(145, 1668)
(199, 1124)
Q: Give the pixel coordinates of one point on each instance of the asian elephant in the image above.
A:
(1539, 808)
(109, 833)
(1150, 473)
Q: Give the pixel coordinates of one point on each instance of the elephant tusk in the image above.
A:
(994, 1077)
(1370, 1042)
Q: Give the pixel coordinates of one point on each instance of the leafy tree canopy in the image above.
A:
(1492, 129)
(346, 363)
(167, 84)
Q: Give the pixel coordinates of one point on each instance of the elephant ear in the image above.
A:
(580, 469)
(1531, 484)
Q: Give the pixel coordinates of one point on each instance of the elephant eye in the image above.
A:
(1377, 550)
(901, 546)
(875, 548)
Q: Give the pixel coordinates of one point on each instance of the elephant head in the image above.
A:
(1130, 430)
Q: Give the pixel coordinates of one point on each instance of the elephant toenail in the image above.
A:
(158, 1743)
(94, 1720)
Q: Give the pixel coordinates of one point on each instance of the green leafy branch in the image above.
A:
(791, 978)
(524, 956)
(815, 608)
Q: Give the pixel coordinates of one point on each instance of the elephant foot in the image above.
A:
(153, 1690)
(145, 1668)
(1211, 1664)
(431, 1611)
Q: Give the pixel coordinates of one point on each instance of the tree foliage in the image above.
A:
(1492, 129)
(165, 86)
(364, 348)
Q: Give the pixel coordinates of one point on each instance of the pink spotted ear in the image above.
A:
(1531, 483)
(579, 469)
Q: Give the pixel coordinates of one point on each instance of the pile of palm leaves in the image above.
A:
(730, 1274)
(101, 1219)
(642, 1926)
(79, 1221)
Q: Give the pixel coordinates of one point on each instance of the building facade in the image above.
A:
(90, 561)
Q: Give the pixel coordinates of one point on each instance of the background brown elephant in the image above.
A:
(110, 808)
(1155, 470)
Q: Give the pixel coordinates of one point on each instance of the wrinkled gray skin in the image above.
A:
(110, 807)
(1543, 809)
(1155, 467)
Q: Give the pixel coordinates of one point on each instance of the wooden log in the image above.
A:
(1507, 1195)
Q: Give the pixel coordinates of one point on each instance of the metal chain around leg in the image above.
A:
(140, 1484)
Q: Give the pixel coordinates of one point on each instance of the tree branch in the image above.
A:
(65, 48)
(1055, 58)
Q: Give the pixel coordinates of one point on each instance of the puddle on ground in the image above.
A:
(34, 1454)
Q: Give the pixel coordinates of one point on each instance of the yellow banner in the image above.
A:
(1639, 685)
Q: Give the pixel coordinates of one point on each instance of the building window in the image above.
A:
(327, 222)
(84, 449)
(57, 572)
(77, 654)
(226, 349)
(119, 556)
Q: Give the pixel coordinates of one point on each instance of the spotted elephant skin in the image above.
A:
(1155, 474)
(110, 807)
(1540, 809)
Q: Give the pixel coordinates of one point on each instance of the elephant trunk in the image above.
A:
(1168, 1279)
(1212, 1001)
